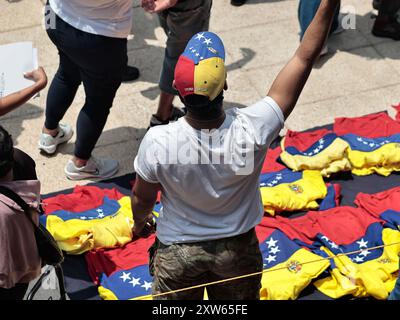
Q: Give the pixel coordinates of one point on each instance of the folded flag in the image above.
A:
(107, 225)
(368, 272)
(122, 273)
(287, 265)
(289, 191)
(373, 155)
(327, 155)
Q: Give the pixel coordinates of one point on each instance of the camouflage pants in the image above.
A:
(184, 265)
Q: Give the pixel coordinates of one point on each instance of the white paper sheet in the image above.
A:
(15, 60)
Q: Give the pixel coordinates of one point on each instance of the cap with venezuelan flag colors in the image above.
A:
(201, 68)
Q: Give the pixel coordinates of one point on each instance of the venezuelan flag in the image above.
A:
(364, 273)
(373, 155)
(289, 191)
(108, 225)
(327, 155)
(288, 265)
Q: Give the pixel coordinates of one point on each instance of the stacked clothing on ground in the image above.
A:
(364, 271)
(320, 150)
(374, 143)
(89, 218)
(288, 267)
(286, 190)
(122, 273)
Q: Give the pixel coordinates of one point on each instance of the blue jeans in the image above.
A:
(306, 13)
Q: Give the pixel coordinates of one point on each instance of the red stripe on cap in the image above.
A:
(184, 76)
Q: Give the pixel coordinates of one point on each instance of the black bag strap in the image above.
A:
(19, 201)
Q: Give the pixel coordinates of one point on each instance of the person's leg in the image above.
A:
(101, 77)
(180, 23)
(236, 257)
(66, 81)
(177, 267)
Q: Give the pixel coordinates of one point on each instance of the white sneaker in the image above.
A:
(94, 169)
(48, 143)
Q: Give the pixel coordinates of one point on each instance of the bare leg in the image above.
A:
(164, 106)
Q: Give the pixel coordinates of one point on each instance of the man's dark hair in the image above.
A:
(6, 152)
(201, 108)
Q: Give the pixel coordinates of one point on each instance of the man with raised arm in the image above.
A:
(207, 165)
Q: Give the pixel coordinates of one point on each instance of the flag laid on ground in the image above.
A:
(108, 225)
(326, 154)
(369, 272)
(289, 191)
(122, 273)
(288, 265)
(373, 155)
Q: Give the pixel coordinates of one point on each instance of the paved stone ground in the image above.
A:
(360, 75)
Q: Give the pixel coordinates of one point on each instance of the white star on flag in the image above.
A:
(274, 250)
(316, 150)
(365, 253)
(197, 54)
(135, 282)
(125, 276)
(359, 139)
(101, 215)
(270, 258)
(271, 242)
(83, 218)
(362, 243)
(147, 285)
(358, 259)
(99, 210)
(207, 42)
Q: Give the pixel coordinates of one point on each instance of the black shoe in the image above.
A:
(130, 74)
(175, 115)
(386, 28)
(237, 3)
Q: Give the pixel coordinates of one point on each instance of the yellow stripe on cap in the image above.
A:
(209, 77)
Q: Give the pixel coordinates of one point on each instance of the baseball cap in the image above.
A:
(201, 68)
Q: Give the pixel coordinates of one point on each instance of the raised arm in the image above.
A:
(13, 101)
(290, 82)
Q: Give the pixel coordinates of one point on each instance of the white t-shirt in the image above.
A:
(210, 180)
(110, 18)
